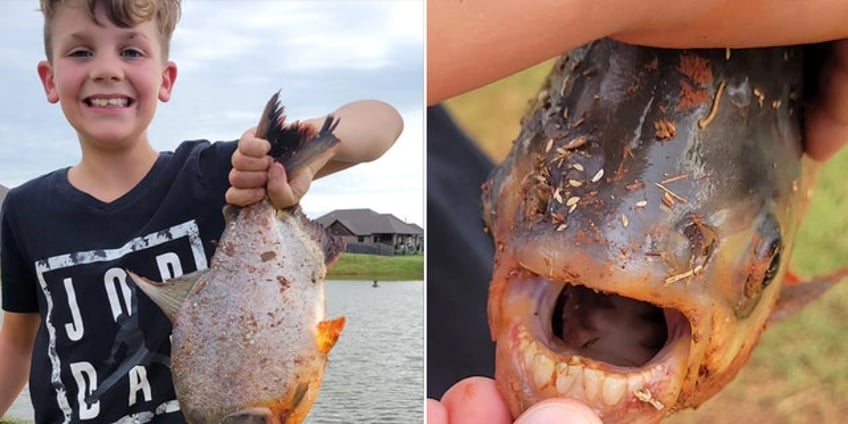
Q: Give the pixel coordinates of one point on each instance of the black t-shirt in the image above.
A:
(102, 351)
(459, 259)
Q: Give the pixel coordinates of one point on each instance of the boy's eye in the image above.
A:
(132, 53)
(79, 53)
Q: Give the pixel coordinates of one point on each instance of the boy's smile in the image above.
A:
(107, 79)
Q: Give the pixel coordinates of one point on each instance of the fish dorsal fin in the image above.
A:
(297, 144)
(797, 294)
(168, 295)
(327, 334)
(331, 245)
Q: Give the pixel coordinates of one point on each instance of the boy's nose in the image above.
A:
(107, 67)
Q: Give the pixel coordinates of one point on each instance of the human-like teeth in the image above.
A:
(566, 377)
(115, 101)
(613, 390)
(544, 369)
(592, 380)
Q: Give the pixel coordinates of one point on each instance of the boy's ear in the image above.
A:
(169, 75)
(45, 73)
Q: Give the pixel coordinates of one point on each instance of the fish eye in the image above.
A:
(764, 262)
(773, 251)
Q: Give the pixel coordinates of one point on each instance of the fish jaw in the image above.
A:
(533, 364)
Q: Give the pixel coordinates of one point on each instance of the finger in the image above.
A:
(244, 197)
(250, 145)
(827, 119)
(244, 162)
(561, 411)
(279, 190)
(248, 180)
(436, 412)
(476, 400)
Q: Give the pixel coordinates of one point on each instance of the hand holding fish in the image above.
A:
(254, 174)
(477, 400)
(827, 118)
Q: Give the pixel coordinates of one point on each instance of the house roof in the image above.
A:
(366, 222)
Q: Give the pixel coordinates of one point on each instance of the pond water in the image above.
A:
(376, 370)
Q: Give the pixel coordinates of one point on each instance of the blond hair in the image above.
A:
(122, 13)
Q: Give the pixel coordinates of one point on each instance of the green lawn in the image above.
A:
(357, 266)
(799, 371)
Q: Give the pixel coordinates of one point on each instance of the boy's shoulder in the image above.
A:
(35, 187)
(47, 186)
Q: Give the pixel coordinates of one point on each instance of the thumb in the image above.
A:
(279, 191)
(559, 411)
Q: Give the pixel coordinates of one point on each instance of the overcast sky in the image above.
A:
(231, 56)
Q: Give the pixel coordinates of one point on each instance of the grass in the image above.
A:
(13, 421)
(799, 371)
(357, 266)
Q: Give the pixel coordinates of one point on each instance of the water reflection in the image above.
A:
(376, 371)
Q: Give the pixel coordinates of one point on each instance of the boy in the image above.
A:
(99, 349)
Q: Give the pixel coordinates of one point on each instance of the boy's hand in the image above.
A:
(254, 174)
(827, 118)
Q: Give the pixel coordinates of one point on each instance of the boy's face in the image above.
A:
(107, 79)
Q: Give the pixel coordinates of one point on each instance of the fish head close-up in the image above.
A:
(643, 224)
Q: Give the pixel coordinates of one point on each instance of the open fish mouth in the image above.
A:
(617, 354)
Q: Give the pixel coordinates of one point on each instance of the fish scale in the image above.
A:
(250, 338)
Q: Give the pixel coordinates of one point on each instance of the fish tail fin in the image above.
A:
(295, 144)
(328, 332)
(797, 294)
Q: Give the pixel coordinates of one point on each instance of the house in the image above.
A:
(366, 231)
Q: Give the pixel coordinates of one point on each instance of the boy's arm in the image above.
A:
(470, 44)
(367, 128)
(17, 336)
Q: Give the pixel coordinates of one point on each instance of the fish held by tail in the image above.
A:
(297, 144)
(261, 302)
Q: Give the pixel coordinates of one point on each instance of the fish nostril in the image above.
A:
(702, 240)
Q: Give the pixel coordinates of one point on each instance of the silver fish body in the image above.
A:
(250, 339)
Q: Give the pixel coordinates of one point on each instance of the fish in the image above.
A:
(250, 339)
(643, 224)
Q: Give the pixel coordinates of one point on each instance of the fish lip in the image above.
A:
(643, 393)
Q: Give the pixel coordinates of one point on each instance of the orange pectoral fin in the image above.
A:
(328, 333)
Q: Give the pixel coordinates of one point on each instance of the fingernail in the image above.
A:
(561, 413)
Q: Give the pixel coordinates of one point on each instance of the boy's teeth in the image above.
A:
(122, 102)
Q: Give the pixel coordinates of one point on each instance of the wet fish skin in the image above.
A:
(674, 178)
(250, 338)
